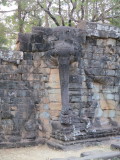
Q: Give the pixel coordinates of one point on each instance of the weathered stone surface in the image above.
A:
(108, 103)
(11, 56)
(55, 106)
(115, 146)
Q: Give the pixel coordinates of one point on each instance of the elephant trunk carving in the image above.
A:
(64, 82)
(64, 50)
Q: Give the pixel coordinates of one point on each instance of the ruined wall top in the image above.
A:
(11, 56)
(30, 42)
(100, 30)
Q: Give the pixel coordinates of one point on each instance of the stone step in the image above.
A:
(55, 143)
(100, 156)
(115, 146)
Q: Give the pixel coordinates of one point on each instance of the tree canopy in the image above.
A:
(20, 15)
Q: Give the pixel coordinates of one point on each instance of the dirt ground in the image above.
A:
(43, 153)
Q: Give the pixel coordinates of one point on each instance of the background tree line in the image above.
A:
(23, 14)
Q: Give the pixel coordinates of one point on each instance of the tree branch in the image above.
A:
(105, 18)
(62, 19)
(74, 5)
(49, 13)
(28, 10)
(113, 7)
(115, 16)
(82, 10)
(8, 11)
(102, 15)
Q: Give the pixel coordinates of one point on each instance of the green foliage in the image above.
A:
(3, 36)
(115, 21)
(3, 2)
(115, 12)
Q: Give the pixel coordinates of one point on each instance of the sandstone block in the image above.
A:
(101, 42)
(98, 112)
(105, 113)
(54, 114)
(76, 99)
(117, 97)
(54, 91)
(111, 42)
(28, 56)
(98, 50)
(112, 113)
(13, 108)
(45, 100)
(38, 86)
(13, 113)
(7, 126)
(110, 50)
(27, 62)
(54, 71)
(30, 76)
(96, 97)
(8, 69)
(37, 56)
(117, 119)
(5, 76)
(11, 55)
(43, 64)
(97, 87)
(118, 113)
(2, 92)
(53, 85)
(110, 72)
(37, 63)
(39, 70)
(110, 96)
(107, 104)
(55, 106)
(44, 79)
(23, 93)
(45, 115)
(25, 69)
(55, 97)
(54, 78)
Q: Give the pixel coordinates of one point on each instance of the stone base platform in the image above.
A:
(22, 144)
(57, 144)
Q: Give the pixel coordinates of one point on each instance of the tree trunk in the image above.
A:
(82, 10)
(46, 16)
(86, 11)
(103, 11)
(20, 21)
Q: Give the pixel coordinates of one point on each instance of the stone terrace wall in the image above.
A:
(30, 98)
(22, 91)
(102, 68)
(63, 84)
